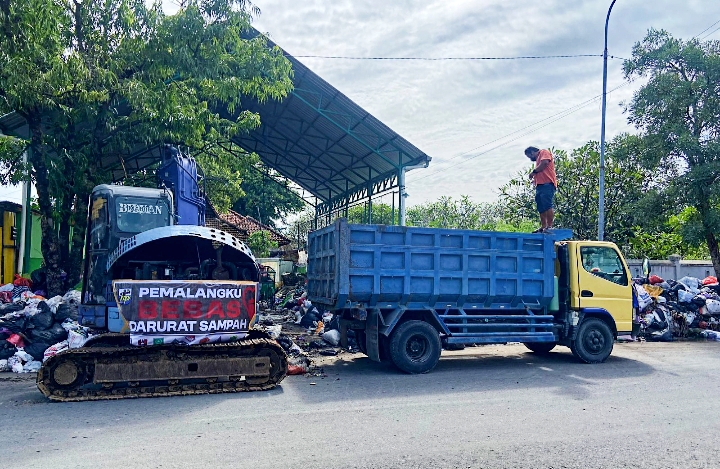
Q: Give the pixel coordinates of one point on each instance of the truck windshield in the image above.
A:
(605, 263)
(136, 214)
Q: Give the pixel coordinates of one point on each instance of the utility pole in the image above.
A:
(601, 198)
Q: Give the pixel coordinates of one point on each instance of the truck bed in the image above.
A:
(378, 266)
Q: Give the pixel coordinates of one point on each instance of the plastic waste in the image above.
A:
(4, 365)
(643, 298)
(77, 338)
(274, 331)
(55, 349)
(32, 366)
(713, 306)
(710, 280)
(16, 340)
(332, 337)
(691, 283)
(655, 279)
(685, 296)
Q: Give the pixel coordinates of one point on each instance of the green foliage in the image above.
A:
(99, 79)
(265, 197)
(448, 212)
(260, 243)
(677, 112)
(382, 214)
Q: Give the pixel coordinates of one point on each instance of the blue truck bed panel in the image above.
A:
(390, 266)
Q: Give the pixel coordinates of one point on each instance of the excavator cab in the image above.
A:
(139, 233)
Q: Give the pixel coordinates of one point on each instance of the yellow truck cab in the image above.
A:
(594, 281)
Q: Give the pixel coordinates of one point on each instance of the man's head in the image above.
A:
(532, 153)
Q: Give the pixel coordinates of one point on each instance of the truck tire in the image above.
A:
(360, 339)
(594, 341)
(541, 348)
(415, 347)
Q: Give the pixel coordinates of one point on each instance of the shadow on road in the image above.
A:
(476, 372)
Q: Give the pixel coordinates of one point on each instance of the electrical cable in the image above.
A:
(562, 114)
(343, 57)
(698, 34)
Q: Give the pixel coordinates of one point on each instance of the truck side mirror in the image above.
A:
(646, 267)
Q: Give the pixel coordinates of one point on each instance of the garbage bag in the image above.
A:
(37, 349)
(55, 349)
(54, 302)
(66, 311)
(54, 334)
(32, 367)
(11, 308)
(654, 280)
(332, 337)
(685, 296)
(310, 318)
(643, 298)
(43, 319)
(13, 323)
(713, 306)
(661, 336)
(653, 290)
(691, 283)
(7, 350)
(710, 280)
(77, 338)
(4, 365)
(72, 297)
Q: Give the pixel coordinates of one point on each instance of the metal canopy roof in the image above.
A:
(324, 142)
(317, 137)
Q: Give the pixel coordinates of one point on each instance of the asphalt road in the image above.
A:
(649, 406)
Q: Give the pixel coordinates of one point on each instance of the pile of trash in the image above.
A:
(670, 309)
(33, 329)
(304, 330)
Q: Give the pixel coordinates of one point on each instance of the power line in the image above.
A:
(698, 34)
(343, 57)
(562, 114)
(710, 33)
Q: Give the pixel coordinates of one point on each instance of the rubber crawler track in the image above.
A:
(84, 359)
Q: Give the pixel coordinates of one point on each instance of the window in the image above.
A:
(136, 214)
(605, 263)
(99, 223)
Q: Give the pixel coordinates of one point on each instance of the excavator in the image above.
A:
(170, 303)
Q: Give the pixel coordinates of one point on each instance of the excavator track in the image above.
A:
(107, 371)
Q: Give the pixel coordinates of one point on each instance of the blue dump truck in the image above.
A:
(408, 292)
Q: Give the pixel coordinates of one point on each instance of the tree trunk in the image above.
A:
(75, 264)
(49, 244)
(712, 243)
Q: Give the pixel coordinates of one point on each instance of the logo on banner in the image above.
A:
(124, 296)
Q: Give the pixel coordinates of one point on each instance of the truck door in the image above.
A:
(604, 282)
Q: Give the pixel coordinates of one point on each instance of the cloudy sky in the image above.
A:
(456, 111)
(474, 118)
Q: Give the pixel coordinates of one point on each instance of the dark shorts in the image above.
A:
(544, 195)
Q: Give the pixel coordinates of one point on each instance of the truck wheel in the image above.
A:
(541, 348)
(594, 341)
(415, 347)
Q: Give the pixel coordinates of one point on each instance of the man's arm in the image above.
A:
(542, 165)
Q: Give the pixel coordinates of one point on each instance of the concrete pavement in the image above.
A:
(650, 405)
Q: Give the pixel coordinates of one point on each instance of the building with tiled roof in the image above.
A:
(240, 226)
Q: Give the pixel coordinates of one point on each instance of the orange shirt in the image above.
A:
(547, 175)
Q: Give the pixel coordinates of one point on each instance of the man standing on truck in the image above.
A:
(545, 185)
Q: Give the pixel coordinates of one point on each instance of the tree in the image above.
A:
(260, 243)
(678, 113)
(265, 196)
(627, 186)
(98, 79)
(463, 213)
